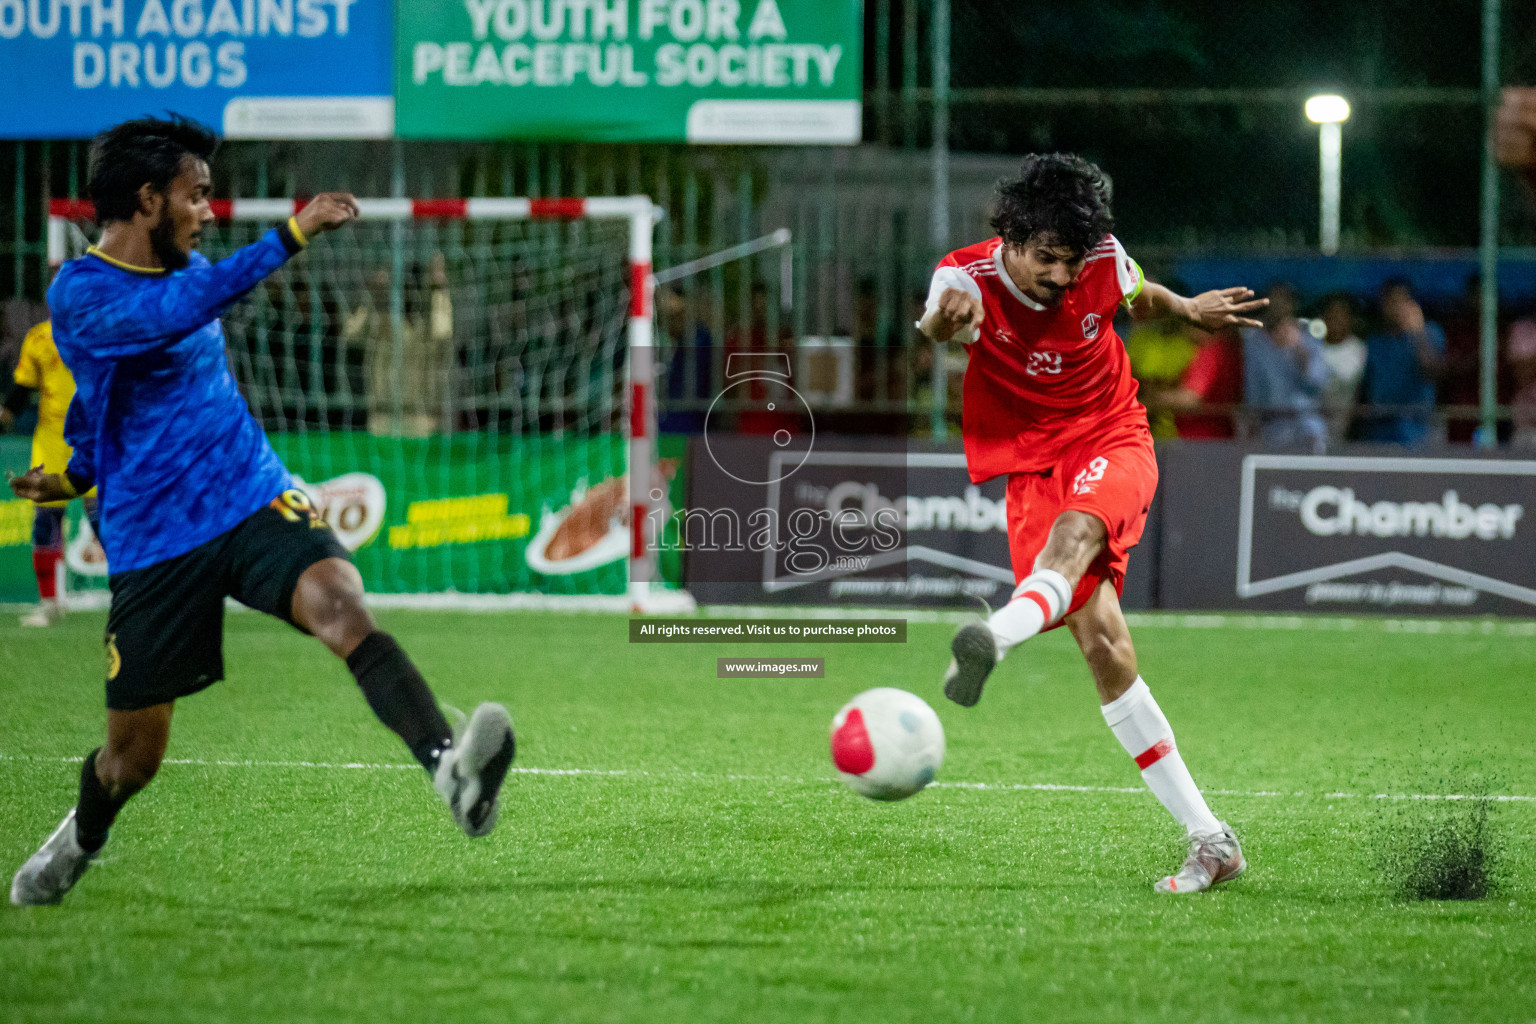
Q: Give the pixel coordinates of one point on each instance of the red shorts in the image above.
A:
(1110, 475)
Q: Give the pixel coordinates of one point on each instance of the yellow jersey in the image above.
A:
(40, 368)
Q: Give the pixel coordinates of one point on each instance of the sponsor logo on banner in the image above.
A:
(471, 519)
(911, 536)
(1453, 534)
(351, 504)
(861, 519)
(83, 553)
(593, 529)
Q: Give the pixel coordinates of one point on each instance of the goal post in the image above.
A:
(510, 262)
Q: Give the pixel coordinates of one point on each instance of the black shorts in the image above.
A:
(165, 631)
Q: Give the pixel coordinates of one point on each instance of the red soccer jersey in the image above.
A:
(1039, 377)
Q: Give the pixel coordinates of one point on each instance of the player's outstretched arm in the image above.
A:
(1214, 310)
(156, 314)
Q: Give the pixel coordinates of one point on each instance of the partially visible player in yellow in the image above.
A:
(40, 369)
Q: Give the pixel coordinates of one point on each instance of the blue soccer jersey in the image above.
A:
(157, 421)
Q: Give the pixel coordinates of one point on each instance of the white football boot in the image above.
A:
(47, 613)
(1213, 859)
(470, 772)
(53, 870)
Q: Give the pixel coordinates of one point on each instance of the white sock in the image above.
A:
(1039, 601)
(1142, 729)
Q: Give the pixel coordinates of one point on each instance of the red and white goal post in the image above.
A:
(640, 416)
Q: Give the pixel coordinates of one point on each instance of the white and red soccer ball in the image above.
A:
(887, 743)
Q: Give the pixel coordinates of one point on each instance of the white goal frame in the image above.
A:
(641, 215)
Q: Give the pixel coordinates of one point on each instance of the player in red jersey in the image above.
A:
(1051, 404)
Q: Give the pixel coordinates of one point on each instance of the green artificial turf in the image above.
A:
(704, 866)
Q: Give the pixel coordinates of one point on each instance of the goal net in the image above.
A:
(461, 386)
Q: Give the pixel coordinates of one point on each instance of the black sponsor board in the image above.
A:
(943, 541)
(1363, 531)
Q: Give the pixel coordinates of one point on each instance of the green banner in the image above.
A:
(16, 580)
(471, 513)
(477, 513)
(724, 71)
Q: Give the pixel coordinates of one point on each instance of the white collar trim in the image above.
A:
(1013, 289)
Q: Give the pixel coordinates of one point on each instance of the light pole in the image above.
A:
(1329, 113)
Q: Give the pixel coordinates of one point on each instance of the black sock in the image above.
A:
(400, 697)
(96, 810)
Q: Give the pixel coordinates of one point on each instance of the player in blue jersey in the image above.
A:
(195, 506)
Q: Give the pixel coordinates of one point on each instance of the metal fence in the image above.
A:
(1223, 167)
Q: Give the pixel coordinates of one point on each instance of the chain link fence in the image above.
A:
(1196, 113)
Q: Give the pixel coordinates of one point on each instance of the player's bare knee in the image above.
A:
(340, 621)
(328, 602)
(128, 767)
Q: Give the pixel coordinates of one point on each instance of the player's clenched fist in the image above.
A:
(327, 211)
(956, 311)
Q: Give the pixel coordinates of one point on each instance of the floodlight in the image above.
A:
(1327, 109)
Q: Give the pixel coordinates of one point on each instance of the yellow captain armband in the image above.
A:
(298, 235)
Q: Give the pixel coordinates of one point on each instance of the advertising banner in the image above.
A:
(16, 580)
(478, 514)
(1349, 533)
(947, 543)
(467, 513)
(725, 71)
(855, 520)
(264, 69)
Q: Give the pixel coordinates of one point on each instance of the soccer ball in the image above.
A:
(887, 743)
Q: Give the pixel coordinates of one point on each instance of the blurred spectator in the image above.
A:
(926, 367)
(1214, 377)
(17, 316)
(1401, 366)
(1514, 133)
(1344, 353)
(1520, 350)
(765, 406)
(407, 386)
(295, 370)
(1283, 376)
(880, 369)
(1461, 378)
(1160, 352)
(881, 364)
(688, 386)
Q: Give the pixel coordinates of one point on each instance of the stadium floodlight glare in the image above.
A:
(1327, 109)
(1329, 112)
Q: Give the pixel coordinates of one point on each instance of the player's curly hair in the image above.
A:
(1058, 196)
(144, 150)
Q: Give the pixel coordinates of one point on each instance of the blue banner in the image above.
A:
(264, 69)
